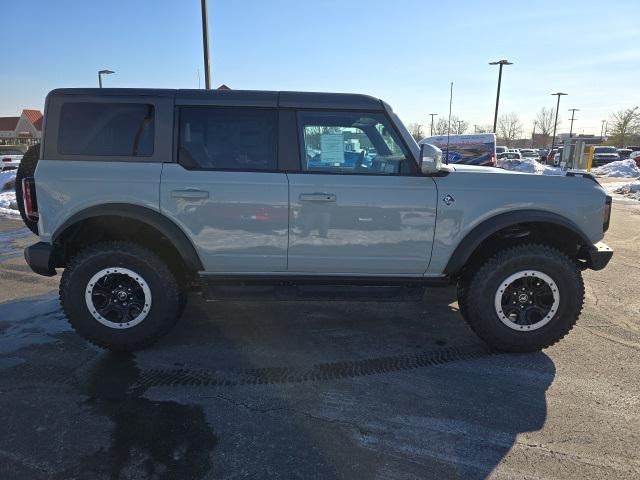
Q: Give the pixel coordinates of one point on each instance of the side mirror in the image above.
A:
(430, 158)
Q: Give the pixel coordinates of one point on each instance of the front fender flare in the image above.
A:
(481, 232)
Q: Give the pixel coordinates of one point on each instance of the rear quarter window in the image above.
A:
(106, 129)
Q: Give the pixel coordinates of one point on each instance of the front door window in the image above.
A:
(351, 143)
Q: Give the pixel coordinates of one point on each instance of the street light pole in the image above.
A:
(103, 72)
(432, 115)
(555, 124)
(459, 126)
(573, 112)
(205, 44)
(533, 134)
(501, 63)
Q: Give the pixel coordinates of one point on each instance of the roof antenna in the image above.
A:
(449, 125)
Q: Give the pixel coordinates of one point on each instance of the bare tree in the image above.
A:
(544, 123)
(622, 124)
(415, 129)
(441, 127)
(486, 128)
(458, 126)
(509, 127)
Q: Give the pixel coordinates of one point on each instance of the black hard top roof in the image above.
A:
(257, 98)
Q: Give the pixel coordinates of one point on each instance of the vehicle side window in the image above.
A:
(351, 142)
(221, 138)
(106, 129)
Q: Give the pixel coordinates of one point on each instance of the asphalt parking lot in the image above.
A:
(321, 390)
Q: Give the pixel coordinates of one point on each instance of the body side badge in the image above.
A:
(448, 199)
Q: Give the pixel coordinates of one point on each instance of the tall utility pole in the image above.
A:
(459, 126)
(475, 128)
(533, 134)
(555, 124)
(602, 129)
(573, 113)
(449, 122)
(205, 44)
(432, 115)
(501, 63)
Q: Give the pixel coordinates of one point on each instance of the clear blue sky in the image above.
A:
(405, 52)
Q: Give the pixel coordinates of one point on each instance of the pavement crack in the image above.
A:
(246, 405)
(634, 346)
(335, 421)
(346, 423)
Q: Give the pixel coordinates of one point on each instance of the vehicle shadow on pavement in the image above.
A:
(273, 390)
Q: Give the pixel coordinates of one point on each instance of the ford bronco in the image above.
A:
(142, 195)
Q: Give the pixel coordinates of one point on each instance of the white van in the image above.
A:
(476, 149)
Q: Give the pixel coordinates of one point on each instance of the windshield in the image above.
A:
(10, 151)
(528, 154)
(605, 150)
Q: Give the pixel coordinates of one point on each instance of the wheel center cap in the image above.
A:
(122, 295)
(523, 298)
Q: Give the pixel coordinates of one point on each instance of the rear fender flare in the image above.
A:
(146, 215)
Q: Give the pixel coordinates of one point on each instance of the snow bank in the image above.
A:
(8, 203)
(6, 180)
(621, 168)
(527, 165)
(631, 190)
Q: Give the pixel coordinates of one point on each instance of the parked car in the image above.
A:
(624, 153)
(10, 157)
(603, 155)
(500, 149)
(510, 156)
(142, 195)
(529, 153)
(476, 149)
(636, 156)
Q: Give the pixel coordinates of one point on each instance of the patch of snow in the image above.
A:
(621, 168)
(8, 203)
(7, 179)
(630, 190)
(527, 165)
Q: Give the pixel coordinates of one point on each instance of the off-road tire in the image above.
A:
(27, 168)
(481, 312)
(165, 307)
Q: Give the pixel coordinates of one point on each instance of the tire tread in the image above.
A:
(170, 289)
(478, 279)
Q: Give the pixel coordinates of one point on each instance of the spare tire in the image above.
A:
(26, 169)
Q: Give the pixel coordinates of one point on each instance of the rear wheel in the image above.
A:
(26, 169)
(120, 296)
(525, 298)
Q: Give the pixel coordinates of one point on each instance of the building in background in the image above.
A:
(25, 129)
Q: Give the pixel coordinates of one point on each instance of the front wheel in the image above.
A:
(525, 298)
(120, 296)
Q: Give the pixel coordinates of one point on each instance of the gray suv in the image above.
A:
(144, 195)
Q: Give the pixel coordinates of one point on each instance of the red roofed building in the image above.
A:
(27, 128)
